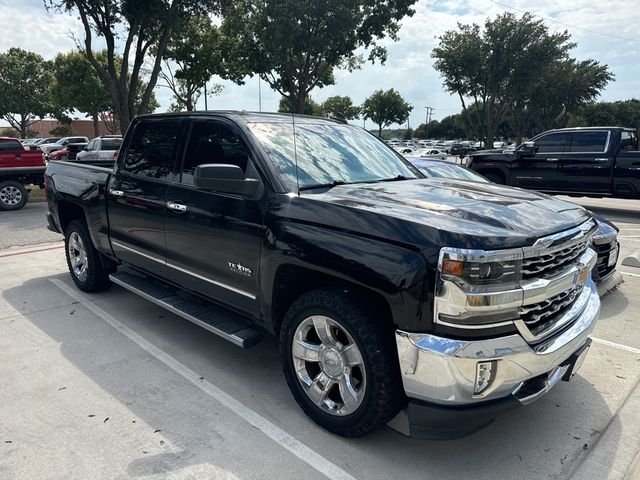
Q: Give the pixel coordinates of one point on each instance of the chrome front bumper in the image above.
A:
(443, 371)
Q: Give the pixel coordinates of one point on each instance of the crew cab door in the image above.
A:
(214, 238)
(587, 166)
(136, 194)
(540, 171)
(8, 152)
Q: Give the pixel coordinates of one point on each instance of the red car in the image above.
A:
(18, 167)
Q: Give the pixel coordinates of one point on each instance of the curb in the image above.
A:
(610, 284)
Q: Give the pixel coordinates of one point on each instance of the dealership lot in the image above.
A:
(110, 386)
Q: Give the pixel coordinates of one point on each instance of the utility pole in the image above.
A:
(205, 97)
(427, 115)
(259, 94)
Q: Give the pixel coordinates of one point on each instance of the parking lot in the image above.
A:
(110, 386)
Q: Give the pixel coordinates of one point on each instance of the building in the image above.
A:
(79, 127)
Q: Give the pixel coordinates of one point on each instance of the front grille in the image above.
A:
(541, 316)
(551, 263)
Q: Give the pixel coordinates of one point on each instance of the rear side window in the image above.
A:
(7, 145)
(553, 143)
(589, 142)
(152, 149)
(111, 143)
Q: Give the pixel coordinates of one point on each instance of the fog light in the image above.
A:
(484, 376)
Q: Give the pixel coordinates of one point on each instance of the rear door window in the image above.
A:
(589, 141)
(9, 145)
(553, 143)
(111, 143)
(152, 149)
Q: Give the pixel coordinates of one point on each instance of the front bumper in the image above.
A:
(439, 374)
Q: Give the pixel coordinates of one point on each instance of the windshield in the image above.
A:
(451, 171)
(328, 153)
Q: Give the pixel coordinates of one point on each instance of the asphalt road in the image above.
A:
(108, 385)
(27, 226)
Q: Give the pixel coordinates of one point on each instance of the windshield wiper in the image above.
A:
(394, 179)
(335, 183)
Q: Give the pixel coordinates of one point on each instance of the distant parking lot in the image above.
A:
(110, 386)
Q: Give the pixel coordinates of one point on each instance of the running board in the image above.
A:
(216, 319)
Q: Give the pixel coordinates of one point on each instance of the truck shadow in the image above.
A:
(546, 439)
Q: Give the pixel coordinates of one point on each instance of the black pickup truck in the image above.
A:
(591, 161)
(433, 302)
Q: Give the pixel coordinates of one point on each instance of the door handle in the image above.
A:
(116, 193)
(552, 159)
(177, 207)
(600, 160)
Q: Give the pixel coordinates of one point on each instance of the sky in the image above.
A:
(605, 31)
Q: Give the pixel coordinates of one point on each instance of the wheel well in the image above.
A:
(67, 212)
(293, 281)
(495, 172)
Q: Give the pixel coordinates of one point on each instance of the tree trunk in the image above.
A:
(380, 131)
(301, 101)
(96, 124)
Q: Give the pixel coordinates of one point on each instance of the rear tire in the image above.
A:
(83, 260)
(13, 195)
(340, 361)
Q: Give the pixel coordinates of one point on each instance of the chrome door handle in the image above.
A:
(177, 207)
(116, 193)
(552, 159)
(600, 160)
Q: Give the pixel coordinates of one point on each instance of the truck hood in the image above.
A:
(487, 215)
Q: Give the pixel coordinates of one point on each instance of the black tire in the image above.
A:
(95, 277)
(383, 394)
(13, 195)
(495, 177)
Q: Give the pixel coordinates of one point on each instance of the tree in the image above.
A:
(386, 108)
(137, 26)
(499, 70)
(77, 87)
(295, 46)
(25, 79)
(310, 107)
(340, 105)
(199, 50)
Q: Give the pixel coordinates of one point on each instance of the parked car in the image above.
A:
(593, 161)
(605, 239)
(18, 167)
(101, 148)
(69, 152)
(430, 152)
(63, 142)
(389, 293)
(47, 141)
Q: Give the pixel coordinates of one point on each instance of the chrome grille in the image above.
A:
(552, 262)
(543, 315)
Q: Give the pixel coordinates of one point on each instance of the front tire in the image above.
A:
(13, 195)
(340, 362)
(83, 260)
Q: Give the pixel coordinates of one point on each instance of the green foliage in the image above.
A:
(77, 86)
(62, 131)
(9, 132)
(340, 105)
(25, 94)
(295, 46)
(200, 51)
(451, 127)
(134, 26)
(514, 68)
(286, 105)
(386, 108)
(618, 114)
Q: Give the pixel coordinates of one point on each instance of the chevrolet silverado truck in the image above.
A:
(18, 167)
(431, 303)
(592, 161)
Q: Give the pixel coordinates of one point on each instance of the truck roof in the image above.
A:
(248, 117)
(578, 129)
(10, 138)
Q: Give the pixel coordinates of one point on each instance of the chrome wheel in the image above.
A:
(10, 195)
(78, 256)
(329, 365)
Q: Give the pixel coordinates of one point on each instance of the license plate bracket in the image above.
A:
(576, 360)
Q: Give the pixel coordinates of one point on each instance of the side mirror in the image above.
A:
(226, 179)
(528, 149)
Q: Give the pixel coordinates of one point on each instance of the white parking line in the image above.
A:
(630, 274)
(616, 345)
(274, 432)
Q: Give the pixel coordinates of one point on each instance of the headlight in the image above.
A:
(473, 267)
